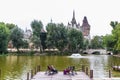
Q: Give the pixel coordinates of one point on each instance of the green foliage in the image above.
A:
(116, 35)
(36, 28)
(58, 36)
(112, 42)
(36, 41)
(113, 24)
(61, 37)
(4, 37)
(17, 37)
(109, 42)
(86, 44)
(43, 37)
(10, 26)
(25, 44)
(75, 40)
(51, 35)
(97, 42)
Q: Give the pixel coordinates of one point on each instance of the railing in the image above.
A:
(84, 69)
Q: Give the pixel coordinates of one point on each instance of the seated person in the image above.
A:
(70, 70)
(67, 71)
(51, 69)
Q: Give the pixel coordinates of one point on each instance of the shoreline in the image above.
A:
(117, 55)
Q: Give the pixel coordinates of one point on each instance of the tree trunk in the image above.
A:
(40, 47)
(18, 50)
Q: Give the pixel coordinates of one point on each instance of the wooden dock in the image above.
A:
(85, 74)
(60, 76)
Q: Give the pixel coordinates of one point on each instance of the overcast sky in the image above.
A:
(99, 12)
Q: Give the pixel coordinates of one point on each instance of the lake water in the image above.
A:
(16, 67)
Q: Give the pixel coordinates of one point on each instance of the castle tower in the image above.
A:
(73, 22)
(86, 28)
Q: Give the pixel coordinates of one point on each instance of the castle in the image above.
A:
(84, 28)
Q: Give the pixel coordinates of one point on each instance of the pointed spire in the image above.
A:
(73, 14)
(51, 20)
(73, 19)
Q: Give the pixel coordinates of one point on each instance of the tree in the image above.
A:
(113, 24)
(17, 37)
(116, 35)
(109, 42)
(61, 40)
(112, 42)
(4, 37)
(25, 44)
(43, 37)
(75, 39)
(56, 36)
(86, 44)
(51, 35)
(97, 42)
(10, 26)
(36, 28)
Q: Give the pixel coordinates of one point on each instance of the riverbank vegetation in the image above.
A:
(112, 41)
(57, 36)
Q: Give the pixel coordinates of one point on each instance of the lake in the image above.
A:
(16, 67)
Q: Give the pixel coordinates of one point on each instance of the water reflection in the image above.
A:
(16, 67)
(97, 64)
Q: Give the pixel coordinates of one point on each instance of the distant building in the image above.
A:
(10, 45)
(73, 23)
(27, 34)
(84, 28)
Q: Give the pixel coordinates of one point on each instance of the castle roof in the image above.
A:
(85, 22)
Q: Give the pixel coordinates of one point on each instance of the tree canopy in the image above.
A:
(36, 28)
(17, 37)
(75, 38)
(97, 42)
(113, 24)
(116, 35)
(112, 41)
(58, 36)
(4, 37)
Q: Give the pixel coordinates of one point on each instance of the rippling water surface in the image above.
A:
(16, 67)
